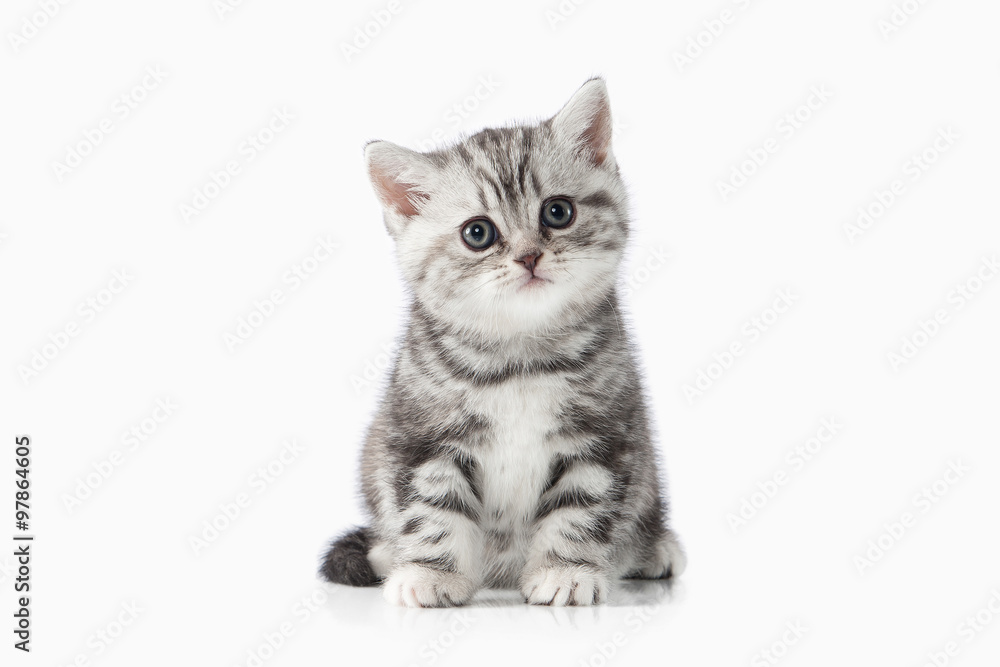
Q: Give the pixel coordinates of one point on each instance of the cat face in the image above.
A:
(513, 231)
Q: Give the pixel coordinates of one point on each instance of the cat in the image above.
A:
(512, 447)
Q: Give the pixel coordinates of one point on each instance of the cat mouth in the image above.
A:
(533, 281)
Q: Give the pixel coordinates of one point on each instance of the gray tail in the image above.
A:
(347, 560)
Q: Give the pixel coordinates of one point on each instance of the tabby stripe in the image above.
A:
(467, 466)
(434, 539)
(536, 184)
(413, 525)
(600, 199)
(440, 563)
(522, 173)
(575, 498)
(561, 559)
(451, 502)
(486, 178)
(601, 527)
(560, 465)
(484, 378)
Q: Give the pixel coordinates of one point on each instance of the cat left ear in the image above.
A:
(400, 177)
(586, 121)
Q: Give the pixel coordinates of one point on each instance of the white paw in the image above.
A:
(563, 586)
(418, 586)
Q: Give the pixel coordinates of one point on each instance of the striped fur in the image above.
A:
(512, 446)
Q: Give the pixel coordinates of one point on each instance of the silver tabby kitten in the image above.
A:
(512, 447)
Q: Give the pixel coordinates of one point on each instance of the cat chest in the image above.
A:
(514, 462)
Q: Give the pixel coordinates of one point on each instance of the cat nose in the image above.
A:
(529, 260)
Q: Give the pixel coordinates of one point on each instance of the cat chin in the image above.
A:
(526, 310)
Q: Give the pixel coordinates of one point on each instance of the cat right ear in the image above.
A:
(400, 178)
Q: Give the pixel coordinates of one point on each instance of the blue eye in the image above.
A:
(479, 234)
(558, 212)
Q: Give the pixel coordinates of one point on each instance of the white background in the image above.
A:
(682, 129)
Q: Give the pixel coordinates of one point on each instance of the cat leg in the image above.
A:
(439, 544)
(569, 560)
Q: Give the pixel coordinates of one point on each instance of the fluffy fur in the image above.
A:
(512, 446)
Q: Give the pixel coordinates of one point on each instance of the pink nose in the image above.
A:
(529, 261)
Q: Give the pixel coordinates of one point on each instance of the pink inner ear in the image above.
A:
(597, 136)
(401, 196)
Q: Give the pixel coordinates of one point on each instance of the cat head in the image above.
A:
(516, 230)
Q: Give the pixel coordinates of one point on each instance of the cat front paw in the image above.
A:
(565, 586)
(418, 586)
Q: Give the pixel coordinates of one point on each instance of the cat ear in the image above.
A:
(585, 121)
(400, 177)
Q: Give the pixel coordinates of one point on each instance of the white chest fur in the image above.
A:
(515, 464)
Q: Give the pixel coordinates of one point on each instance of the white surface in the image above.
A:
(680, 132)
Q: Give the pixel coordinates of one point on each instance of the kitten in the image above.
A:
(512, 447)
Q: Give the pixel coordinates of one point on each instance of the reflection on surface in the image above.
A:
(365, 606)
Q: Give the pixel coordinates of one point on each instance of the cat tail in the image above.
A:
(346, 562)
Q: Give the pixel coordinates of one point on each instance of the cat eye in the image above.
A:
(558, 212)
(479, 234)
